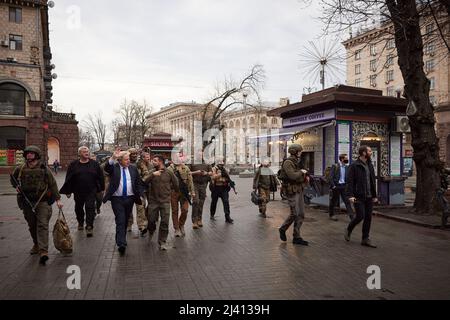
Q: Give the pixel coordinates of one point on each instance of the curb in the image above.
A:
(410, 221)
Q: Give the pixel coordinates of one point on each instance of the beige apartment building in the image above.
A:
(26, 75)
(371, 59)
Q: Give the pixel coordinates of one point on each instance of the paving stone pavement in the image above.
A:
(220, 261)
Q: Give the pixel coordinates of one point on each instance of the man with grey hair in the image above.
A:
(125, 189)
(84, 179)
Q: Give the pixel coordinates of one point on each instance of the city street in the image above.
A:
(246, 260)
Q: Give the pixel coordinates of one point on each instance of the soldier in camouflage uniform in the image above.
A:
(145, 167)
(201, 175)
(178, 198)
(293, 186)
(134, 154)
(264, 182)
(35, 181)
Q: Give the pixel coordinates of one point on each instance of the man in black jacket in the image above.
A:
(125, 189)
(84, 179)
(362, 192)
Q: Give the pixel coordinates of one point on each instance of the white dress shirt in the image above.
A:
(119, 190)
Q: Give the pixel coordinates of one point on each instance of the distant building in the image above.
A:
(26, 116)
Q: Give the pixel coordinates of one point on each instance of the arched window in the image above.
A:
(12, 99)
(274, 121)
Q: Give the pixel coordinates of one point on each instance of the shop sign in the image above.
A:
(161, 144)
(309, 118)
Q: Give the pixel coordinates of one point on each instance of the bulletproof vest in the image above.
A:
(33, 181)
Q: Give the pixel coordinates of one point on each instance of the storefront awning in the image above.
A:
(288, 132)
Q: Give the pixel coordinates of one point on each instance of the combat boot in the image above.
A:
(300, 241)
(89, 232)
(35, 249)
(44, 257)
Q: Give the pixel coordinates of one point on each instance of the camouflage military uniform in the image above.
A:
(200, 185)
(264, 181)
(178, 199)
(294, 191)
(141, 215)
(39, 186)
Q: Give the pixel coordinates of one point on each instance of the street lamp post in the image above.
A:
(244, 95)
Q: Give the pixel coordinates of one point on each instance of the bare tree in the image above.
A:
(97, 127)
(132, 123)
(406, 17)
(85, 138)
(143, 126)
(230, 94)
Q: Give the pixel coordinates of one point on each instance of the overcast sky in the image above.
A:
(168, 51)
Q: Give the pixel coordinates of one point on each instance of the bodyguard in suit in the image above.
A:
(338, 180)
(361, 190)
(125, 189)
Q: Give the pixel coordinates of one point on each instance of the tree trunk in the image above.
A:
(409, 45)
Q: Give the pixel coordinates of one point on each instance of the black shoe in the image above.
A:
(212, 217)
(122, 250)
(143, 232)
(368, 243)
(300, 241)
(229, 220)
(89, 232)
(98, 211)
(282, 235)
(43, 260)
(262, 215)
(347, 235)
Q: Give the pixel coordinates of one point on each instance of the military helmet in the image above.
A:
(295, 148)
(33, 149)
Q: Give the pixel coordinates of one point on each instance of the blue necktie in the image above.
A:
(124, 181)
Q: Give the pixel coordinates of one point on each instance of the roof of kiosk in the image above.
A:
(343, 96)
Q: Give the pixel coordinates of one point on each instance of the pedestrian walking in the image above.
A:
(294, 180)
(37, 191)
(220, 187)
(125, 189)
(144, 167)
(180, 199)
(201, 175)
(338, 181)
(161, 184)
(264, 182)
(55, 166)
(361, 191)
(84, 178)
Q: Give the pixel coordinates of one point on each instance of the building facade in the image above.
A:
(371, 58)
(247, 123)
(26, 116)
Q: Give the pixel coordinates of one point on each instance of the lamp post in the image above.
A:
(244, 95)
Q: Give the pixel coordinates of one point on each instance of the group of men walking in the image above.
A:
(160, 192)
(354, 183)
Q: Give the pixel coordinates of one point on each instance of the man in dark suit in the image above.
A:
(125, 189)
(338, 180)
(361, 190)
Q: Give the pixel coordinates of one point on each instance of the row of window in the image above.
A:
(389, 78)
(429, 64)
(390, 44)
